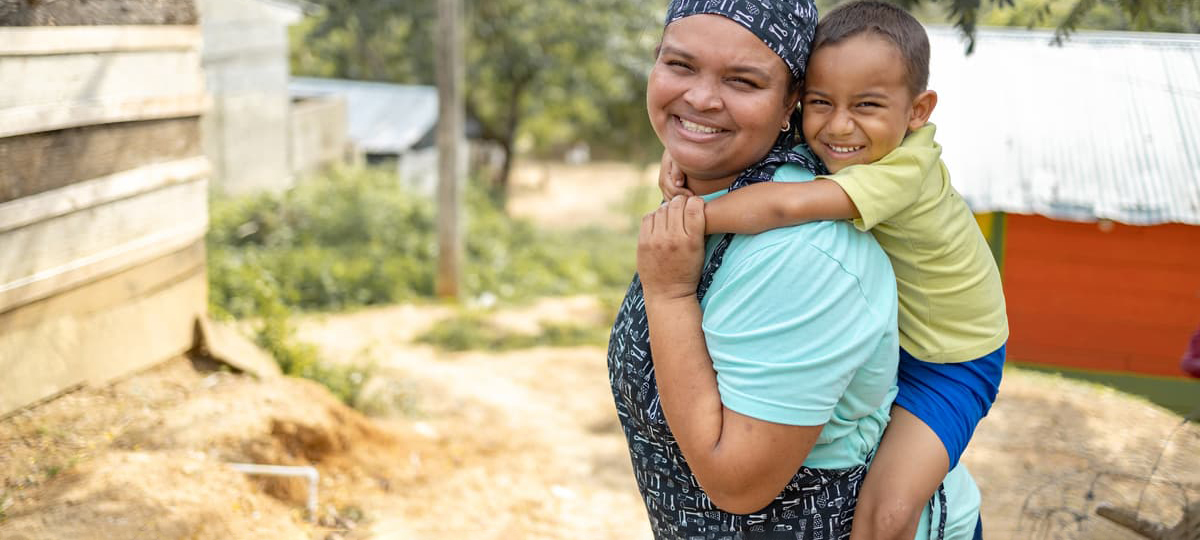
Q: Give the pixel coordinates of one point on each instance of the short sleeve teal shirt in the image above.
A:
(801, 326)
(800, 323)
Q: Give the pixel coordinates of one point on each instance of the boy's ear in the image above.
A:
(922, 107)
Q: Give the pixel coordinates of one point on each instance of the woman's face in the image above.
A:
(717, 98)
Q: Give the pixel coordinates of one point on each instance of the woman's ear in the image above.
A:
(922, 108)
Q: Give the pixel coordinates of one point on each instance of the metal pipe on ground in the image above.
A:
(293, 471)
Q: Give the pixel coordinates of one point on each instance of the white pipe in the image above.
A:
(301, 471)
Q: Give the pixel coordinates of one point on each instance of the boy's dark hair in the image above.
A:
(887, 21)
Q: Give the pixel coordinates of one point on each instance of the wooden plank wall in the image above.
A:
(1107, 297)
(103, 194)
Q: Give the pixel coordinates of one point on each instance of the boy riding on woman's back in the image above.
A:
(865, 110)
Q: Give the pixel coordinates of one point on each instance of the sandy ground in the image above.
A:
(518, 445)
(522, 444)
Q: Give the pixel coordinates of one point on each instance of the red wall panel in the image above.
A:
(1113, 297)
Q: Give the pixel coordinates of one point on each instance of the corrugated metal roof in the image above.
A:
(1105, 127)
(384, 118)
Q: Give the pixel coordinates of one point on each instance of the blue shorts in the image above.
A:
(950, 398)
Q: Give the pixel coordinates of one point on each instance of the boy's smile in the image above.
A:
(857, 106)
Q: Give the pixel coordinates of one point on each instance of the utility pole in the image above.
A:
(449, 66)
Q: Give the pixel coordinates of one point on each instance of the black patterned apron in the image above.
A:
(817, 504)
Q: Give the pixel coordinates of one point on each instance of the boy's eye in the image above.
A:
(817, 102)
(869, 104)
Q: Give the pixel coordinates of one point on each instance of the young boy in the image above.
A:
(865, 109)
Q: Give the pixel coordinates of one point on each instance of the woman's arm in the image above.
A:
(741, 462)
(770, 205)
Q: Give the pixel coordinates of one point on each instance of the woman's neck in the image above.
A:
(705, 187)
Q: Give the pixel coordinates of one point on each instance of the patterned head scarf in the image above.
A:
(786, 27)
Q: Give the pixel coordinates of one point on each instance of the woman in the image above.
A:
(759, 418)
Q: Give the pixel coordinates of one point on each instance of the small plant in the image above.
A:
(474, 331)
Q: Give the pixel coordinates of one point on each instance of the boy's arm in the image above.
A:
(770, 205)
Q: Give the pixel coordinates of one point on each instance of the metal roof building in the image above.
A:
(1106, 126)
(383, 118)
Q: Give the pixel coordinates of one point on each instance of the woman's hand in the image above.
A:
(671, 180)
(670, 251)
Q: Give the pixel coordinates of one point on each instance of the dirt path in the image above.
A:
(533, 434)
(540, 445)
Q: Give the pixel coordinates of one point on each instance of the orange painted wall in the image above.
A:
(1108, 297)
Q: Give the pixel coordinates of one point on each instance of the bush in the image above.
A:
(472, 330)
(355, 237)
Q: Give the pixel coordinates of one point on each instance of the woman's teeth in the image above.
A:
(844, 149)
(698, 128)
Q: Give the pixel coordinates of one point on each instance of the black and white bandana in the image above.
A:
(786, 26)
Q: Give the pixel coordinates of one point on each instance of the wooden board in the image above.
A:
(33, 164)
(26, 41)
(43, 93)
(103, 330)
(73, 246)
(98, 12)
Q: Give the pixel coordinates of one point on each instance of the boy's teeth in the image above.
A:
(692, 126)
(844, 149)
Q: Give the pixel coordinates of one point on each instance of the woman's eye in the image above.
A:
(746, 83)
(678, 64)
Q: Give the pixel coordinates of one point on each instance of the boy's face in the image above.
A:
(857, 106)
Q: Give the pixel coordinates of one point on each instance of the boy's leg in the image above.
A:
(936, 411)
(908, 467)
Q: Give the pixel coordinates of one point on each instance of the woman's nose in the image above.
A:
(703, 96)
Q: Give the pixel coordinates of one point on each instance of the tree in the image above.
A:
(549, 72)
(542, 75)
(1066, 16)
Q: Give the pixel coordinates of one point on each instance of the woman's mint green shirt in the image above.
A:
(800, 323)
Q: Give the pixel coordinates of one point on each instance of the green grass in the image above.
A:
(474, 331)
(355, 237)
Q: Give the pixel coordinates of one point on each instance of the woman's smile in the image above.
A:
(717, 98)
(697, 130)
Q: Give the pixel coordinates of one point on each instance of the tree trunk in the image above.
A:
(1188, 528)
(508, 138)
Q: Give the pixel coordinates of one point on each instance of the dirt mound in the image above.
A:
(146, 457)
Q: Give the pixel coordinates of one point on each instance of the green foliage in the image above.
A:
(1069, 15)
(473, 330)
(355, 237)
(547, 73)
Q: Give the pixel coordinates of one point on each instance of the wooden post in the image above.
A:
(448, 64)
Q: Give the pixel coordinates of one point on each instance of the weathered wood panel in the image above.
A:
(102, 330)
(1118, 298)
(97, 12)
(38, 162)
(67, 237)
(49, 92)
(97, 39)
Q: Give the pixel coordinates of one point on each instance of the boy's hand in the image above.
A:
(671, 180)
(670, 250)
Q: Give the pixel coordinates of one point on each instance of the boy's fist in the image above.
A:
(671, 180)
